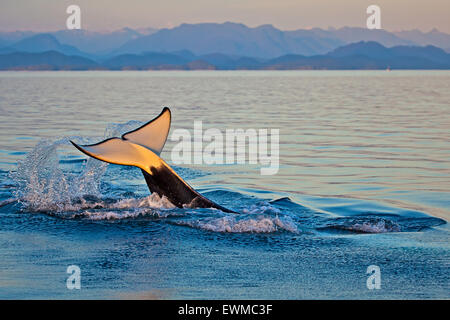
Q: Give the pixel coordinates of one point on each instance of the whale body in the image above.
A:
(141, 148)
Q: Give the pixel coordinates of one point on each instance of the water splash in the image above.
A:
(380, 226)
(259, 217)
(112, 209)
(243, 224)
(362, 225)
(41, 183)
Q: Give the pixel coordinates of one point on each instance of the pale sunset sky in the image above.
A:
(108, 15)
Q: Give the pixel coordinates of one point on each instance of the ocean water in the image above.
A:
(364, 179)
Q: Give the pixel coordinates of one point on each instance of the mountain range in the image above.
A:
(225, 46)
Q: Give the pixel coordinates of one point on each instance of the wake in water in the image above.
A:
(78, 189)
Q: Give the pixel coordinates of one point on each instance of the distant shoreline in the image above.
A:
(355, 56)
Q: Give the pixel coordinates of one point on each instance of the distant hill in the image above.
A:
(234, 62)
(42, 43)
(88, 42)
(230, 39)
(375, 50)
(266, 41)
(7, 50)
(429, 52)
(351, 34)
(145, 61)
(368, 55)
(50, 60)
(370, 49)
(99, 43)
(434, 38)
(7, 38)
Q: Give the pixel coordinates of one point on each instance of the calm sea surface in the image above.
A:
(364, 179)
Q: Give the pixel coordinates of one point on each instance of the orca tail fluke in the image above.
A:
(140, 148)
(123, 152)
(152, 135)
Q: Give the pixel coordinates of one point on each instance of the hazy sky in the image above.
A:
(103, 15)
